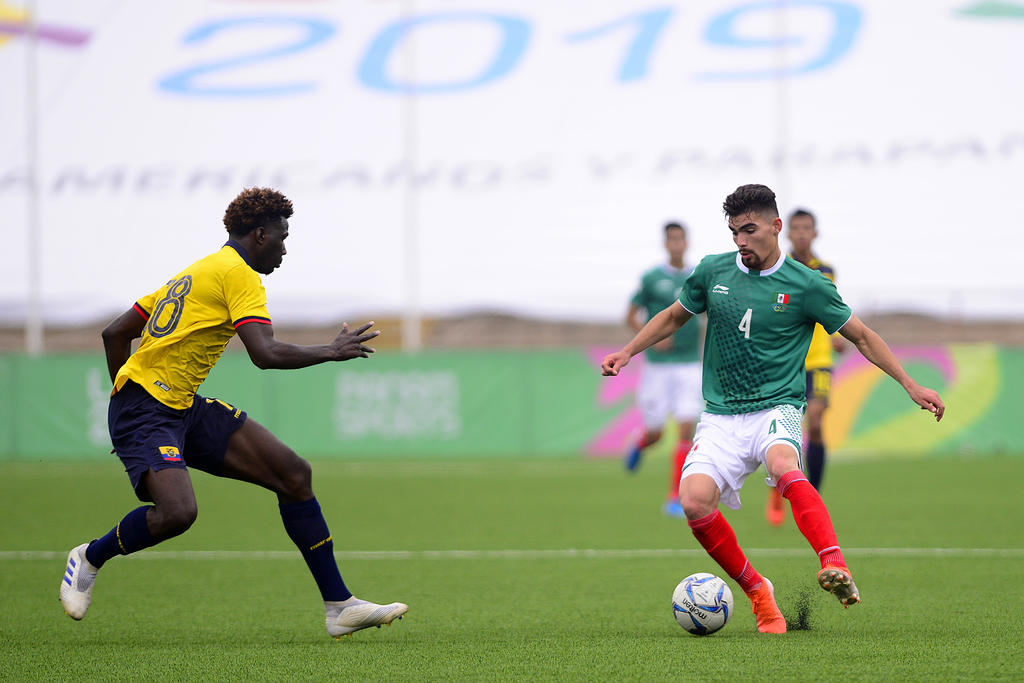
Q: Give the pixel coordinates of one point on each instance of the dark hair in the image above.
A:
(751, 199)
(675, 225)
(803, 212)
(255, 207)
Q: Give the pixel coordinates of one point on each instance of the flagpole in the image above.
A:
(33, 315)
(412, 316)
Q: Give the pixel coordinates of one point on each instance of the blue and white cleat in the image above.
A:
(673, 508)
(77, 582)
(632, 460)
(360, 614)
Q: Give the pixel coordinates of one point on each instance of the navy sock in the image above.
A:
(815, 463)
(128, 536)
(305, 525)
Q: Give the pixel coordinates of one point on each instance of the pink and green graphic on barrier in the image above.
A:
(870, 413)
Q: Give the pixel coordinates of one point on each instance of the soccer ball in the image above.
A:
(702, 603)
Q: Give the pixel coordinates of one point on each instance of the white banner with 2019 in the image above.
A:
(512, 155)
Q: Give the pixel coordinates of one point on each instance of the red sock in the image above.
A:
(811, 516)
(714, 533)
(677, 467)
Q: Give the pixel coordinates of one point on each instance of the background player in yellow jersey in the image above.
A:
(802, 229)
(160, 427)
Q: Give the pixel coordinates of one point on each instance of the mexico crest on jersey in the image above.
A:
(781, 301)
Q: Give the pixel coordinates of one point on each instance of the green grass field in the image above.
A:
(936, 545)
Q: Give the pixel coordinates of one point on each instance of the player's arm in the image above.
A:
(838, 344)
(634, 317)
(118, 336)
(665, 323)
(874, 348)
(268, 353)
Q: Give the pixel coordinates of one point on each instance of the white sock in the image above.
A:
(334, 608)
(86, 574)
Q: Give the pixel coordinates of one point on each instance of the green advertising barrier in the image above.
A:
(493, 404)
(438, 404)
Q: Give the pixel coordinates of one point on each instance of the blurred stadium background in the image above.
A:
(487, 180)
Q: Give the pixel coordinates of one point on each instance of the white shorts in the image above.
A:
(729, 448)
(669, 388)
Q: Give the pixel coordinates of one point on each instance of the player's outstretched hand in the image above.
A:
(613, 362)
(348, 345)
(928, 399)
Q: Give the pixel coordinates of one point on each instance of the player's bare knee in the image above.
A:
(297, 480)
(696, 506)
(172, 518)
(782, 458)
(782, 468)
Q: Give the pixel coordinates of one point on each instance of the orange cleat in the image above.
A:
(769, 618)
(775, 509)
(839, 582)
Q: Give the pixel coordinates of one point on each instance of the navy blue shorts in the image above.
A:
(147, 435)
(819, 384)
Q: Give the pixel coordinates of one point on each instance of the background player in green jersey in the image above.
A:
(161, 428)
(670, 382)
(761, 310)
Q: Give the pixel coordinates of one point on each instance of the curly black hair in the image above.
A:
(254, 207)
(751, 199)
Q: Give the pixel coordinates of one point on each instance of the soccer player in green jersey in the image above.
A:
(761, 309)
(161, 428)
(670, 382)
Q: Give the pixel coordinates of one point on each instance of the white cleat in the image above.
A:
(77, 582)
(362, 614)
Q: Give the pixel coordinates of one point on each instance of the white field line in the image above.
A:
(554, 553)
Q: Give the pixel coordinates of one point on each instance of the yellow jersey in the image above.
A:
(189, 322)
(819, 354)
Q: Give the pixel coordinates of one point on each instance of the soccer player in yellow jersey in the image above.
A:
(161, 428)
(802, 229)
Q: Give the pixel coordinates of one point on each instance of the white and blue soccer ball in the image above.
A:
(702, 603)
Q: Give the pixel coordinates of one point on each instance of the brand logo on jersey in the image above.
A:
(227, 406)
(719, 289)
(162, 385)
(170, 453)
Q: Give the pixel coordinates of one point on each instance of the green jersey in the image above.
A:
(759, 327)
(660, 287)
